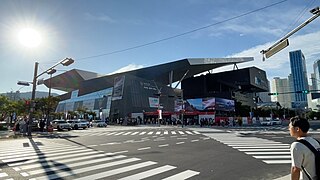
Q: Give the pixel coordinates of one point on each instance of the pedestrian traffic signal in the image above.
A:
(273, 94)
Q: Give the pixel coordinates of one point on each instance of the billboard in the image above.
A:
(209, 104)
(225, 104)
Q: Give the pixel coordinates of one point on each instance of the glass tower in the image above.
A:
(299, 74)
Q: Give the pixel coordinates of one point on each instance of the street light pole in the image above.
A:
(51, 70)
(33, 95)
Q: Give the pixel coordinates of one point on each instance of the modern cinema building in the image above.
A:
(143, 92)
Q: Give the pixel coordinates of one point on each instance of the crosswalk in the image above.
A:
(269, 151)
(43, 160)
(98, 132)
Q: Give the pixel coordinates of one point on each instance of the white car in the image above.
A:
(60, 125)
(78, 123)
(98, 123)
(266, 122)
(276, 122)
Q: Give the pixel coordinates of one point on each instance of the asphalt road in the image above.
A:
(150, 153)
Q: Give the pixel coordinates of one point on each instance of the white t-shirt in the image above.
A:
(301, 155)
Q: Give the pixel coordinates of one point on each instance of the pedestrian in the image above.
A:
(303, 160)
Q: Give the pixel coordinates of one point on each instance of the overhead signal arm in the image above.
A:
(284, 42)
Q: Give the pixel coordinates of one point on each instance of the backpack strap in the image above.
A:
(306, 143)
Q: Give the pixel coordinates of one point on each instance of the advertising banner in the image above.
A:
(153, 102)
(118, 88)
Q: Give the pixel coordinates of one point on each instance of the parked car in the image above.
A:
(60, 125)
(98, 123)
(266, 122)
(78, 123)
(276, 122)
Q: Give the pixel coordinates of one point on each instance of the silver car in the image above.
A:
(78, 123)
(61, 124)
(98, 123)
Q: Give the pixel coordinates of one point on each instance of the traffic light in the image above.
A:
(303, 91)
(273, 94)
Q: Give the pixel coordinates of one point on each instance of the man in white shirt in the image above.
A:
(302, 157)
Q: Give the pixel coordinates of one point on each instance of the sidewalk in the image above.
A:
(8, 134)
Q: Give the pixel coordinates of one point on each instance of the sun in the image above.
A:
(29, 37)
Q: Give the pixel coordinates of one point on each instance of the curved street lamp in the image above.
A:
(50, 71)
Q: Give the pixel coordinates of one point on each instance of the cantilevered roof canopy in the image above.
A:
(164, 73)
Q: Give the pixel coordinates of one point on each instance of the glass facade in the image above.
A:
(98, 102)
(299, 74)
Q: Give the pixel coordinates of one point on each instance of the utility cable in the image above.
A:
(184, 33)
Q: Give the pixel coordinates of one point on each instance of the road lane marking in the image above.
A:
(195, 140)
(145, 148)
(252, 153)
(118, 171)
(119, 133)
(134, 133)
(272, 157)
(127, 133)
(149, 173)
(277, 161)
(59, 175)
(163, 145)
(183, 175)
(180, 142)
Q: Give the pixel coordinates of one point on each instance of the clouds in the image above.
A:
(279, 65)
(99, 17)
(129, 67)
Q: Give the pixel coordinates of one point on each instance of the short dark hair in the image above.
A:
(301, 123)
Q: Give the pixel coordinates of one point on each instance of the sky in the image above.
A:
(105, 36)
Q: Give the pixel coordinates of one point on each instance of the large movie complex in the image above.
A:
(147, 91)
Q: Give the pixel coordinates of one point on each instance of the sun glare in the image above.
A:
(29, 37)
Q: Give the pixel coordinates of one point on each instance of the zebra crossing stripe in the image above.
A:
(11, 159)
(277, 161)
(118, 171)
(255, 150)
(183, 175)
(166, 132)
(142, 133)
(49, 163)
(150, 133)
(118, 133)
(127, 133)
(149, 173)
(49, 158)
(32, 150)
(259, 144)
(173, 132)
(272, 157)
(180, 132)
(188, 132)
(111, 133)
(196, 132)
(134, 133)
(253, 153)
(158, 132)
(59, 175)
(3, 175)
(258, 147)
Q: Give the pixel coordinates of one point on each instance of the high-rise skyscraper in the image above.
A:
(281, 86)
(299, 75)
